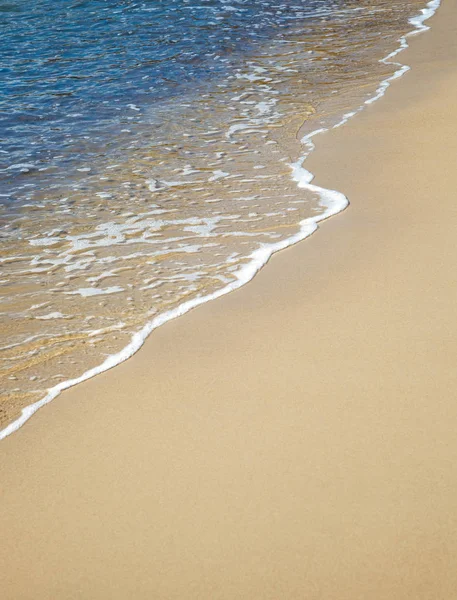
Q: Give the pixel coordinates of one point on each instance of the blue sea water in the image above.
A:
(74, 72)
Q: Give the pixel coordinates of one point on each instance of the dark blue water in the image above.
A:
(74, 72)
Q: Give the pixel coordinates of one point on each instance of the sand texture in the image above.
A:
(295, 439)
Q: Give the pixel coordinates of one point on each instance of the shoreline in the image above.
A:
(334, 201)
(295, 439)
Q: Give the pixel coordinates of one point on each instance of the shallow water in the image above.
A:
(147, 154)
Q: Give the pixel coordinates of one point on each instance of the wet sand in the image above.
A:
(295, 439)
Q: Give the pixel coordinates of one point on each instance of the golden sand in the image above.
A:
(295, 439)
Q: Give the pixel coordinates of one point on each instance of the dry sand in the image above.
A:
(294, 440)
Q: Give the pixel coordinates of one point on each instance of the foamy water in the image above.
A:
(190, 205)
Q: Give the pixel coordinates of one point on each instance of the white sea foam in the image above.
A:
(46, 241)
(86, 292)
(218, 174)
(20, 166)
(333, 202)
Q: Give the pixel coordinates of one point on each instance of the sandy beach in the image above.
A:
(292, 440)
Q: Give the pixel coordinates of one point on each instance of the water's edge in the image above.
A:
(334, 202)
